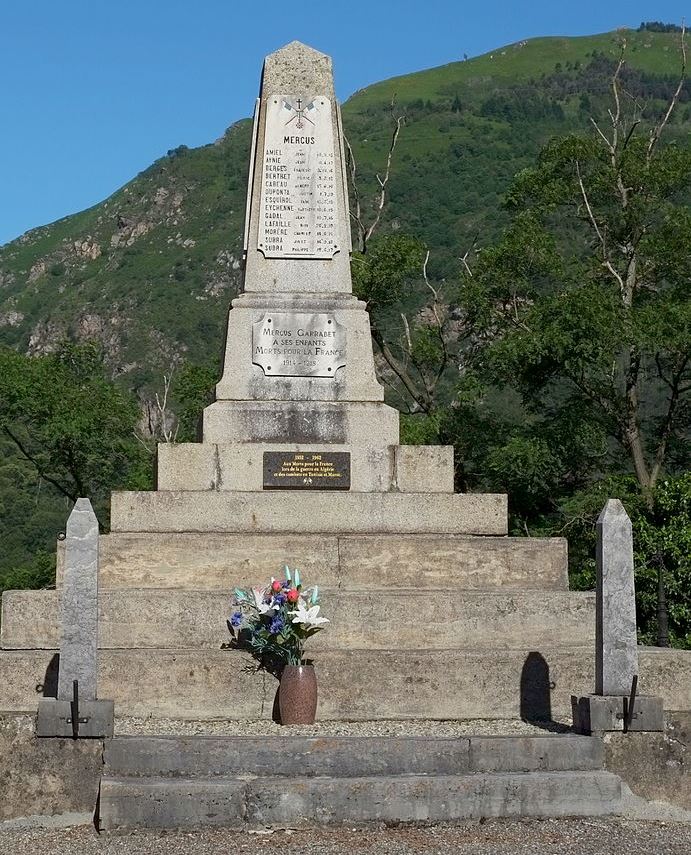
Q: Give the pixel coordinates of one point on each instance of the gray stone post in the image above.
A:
(616, 653)
(616, 705)
(79, 607)
(82, 716)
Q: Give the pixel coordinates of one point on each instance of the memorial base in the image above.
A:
(596, 715)
(95, 719)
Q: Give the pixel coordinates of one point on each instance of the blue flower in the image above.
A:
(276, 625)
(280, 599)
(236, 619)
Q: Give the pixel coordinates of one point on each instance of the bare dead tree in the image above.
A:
(365, 231)
(159, 423)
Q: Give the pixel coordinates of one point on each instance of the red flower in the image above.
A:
(275, 586)
(293, 595)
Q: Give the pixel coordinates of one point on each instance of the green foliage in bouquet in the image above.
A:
(275, 622)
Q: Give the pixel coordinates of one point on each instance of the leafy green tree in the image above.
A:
(585, 305)
(72, 423)
(662, 549)
(193, 389)
(603, 329)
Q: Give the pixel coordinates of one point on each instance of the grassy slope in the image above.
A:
(651, 52)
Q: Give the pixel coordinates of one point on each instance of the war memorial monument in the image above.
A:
(436, 614)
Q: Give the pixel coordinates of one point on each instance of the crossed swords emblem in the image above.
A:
(300, 116)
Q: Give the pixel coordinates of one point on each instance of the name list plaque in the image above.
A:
(298, 344)
(297, 212)
(306, 470)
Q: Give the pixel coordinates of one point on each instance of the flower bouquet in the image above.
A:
(274, 623)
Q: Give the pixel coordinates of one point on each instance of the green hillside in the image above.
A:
(151, 270)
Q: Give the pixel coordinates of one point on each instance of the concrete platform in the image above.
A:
(353, 684)
(347, 756)
(397, 618)
(423, 561)
(169, 782)
(174, 803)
(310, 512)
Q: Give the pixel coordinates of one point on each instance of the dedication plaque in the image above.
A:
(298, 344)
(297, 212)
(306, 470)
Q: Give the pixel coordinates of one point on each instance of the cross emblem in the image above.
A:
(300, 112)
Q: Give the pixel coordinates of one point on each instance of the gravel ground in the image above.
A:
(492, 837)
(255, 727)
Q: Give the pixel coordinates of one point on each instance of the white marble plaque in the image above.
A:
(298, 204)
(298, 344)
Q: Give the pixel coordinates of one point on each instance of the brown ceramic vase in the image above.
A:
(297, 694)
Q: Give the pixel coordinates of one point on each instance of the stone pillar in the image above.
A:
(82, 716)
(615, 706)
(79, 606)
(616, 652)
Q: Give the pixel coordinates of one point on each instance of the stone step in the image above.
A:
(354, 685)
(139, 560)
(346, 756)
(303, 511)
(187, 803)
(398, 618)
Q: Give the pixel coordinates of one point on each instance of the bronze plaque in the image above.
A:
(307, 470)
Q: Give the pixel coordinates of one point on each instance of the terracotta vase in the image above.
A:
(297, 694)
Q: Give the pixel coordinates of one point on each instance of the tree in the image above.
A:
(586, 302)
(605, 329)
(72, 423)
(420, 354)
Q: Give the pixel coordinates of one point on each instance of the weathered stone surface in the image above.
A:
(162, 803)
(238, 467)
(171, 803)
(616, 640)
(386, 513)
(187, 466)
(356, 381)
(370, 425)
(79, 604)
(552, 753)
(171, 618)
(390, 684)
(451, 561)
(363, 562)
(298, 70)
(657, 766)
(161, 756)
(96, 719)
(424, 468)
(45, 777)
(347, 756)
(600, 714)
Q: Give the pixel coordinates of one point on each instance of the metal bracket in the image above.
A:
(74, 719)
(629, 714)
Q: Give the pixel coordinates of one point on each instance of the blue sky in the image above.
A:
(92, 91)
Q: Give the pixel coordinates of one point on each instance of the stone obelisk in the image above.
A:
(299, 409)
(298, 360)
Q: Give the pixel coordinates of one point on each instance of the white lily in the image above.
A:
(262, 607)
(308, 617)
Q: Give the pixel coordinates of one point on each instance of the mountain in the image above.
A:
(151, 271)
